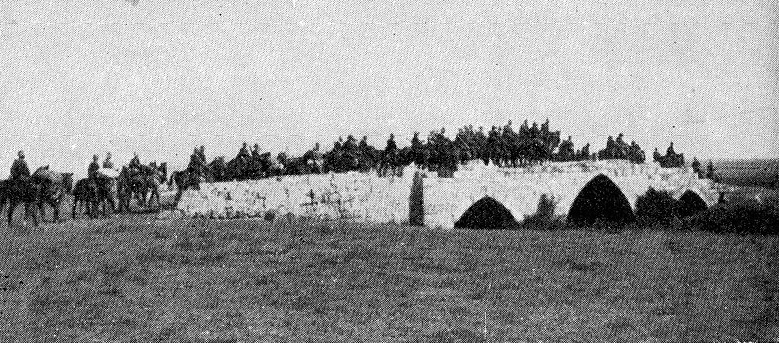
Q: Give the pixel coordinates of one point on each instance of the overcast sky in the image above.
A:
(157, 77)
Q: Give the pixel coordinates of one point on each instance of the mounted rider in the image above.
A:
(243, 153)
(656, 156)
(256, 151)
(696, 167)
(101, 183)
(202, 154)
(710, 174)
(363, 145)
(196, 164)
(107, 163)
(135, 165)
(391, 147)
(19, 169)
(493, 147)
(93, 168)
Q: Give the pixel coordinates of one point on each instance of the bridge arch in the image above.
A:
(600, 200)
(486, 213)
(690, 203)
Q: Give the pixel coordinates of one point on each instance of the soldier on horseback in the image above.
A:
(710, 172)
(391, 146)
(107, 163)
(480, 146)
(493, 146)
(93, 168)
(20, 188)
(585, 152)
(507, 139)
(135, 164)
(389, 157)
(202, 154)
(243, 153)
(256, 151)
(196, 165)
(19, 169)
(696, 167)
(100, 184)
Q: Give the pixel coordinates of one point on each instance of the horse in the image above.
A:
(20, 191)
(85, 193)
(42, 187)
(147, 179)
(389, 160)
(275, 169)
(184, 180)
(53, 186)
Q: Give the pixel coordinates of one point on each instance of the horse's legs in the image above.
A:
(11, 206)
(29, 208)
(110, 200)
(95, 211)
(89, 206)
(56, 209)
(75, 205)
(42, 211)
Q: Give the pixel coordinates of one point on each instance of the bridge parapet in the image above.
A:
(436, 202)
(520, 190)
(351, 196)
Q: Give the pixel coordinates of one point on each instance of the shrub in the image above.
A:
(544, 218)
(656, 207)
(269, 216)
(742, 216)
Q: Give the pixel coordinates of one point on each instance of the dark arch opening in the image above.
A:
(600, 200)
(487, 213)
(690, 203)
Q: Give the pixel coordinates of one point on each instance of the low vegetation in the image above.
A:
(656, 207)
(738, 214)
(134, 278)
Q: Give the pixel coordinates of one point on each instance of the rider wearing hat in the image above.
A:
(19, 169)
(93, 167)
(107, 163)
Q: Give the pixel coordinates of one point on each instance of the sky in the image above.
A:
(79, 78)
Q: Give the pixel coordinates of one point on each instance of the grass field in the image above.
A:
(134, 278)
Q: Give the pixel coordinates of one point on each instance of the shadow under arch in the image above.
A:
(486, 213)
(690, 203)
(600, 200)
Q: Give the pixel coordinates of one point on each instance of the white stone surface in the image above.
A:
(368, 198)
(362, 197)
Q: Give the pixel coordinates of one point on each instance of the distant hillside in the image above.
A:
(748, 172)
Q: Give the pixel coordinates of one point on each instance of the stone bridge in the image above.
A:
(580, 191)
(583, 191)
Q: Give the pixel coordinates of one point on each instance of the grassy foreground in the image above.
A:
(134, 278)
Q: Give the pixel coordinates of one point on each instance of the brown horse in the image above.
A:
(140, 183)
(43, 187)
(19, 191)
(185, 179)
(53, 187)
(85, 193)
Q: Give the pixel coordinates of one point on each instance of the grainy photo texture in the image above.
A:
(389, 171)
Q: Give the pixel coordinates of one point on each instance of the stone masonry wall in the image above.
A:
(520, 189)
(351, 196)
(431, 201)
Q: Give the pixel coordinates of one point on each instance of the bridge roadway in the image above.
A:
(575, 188)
